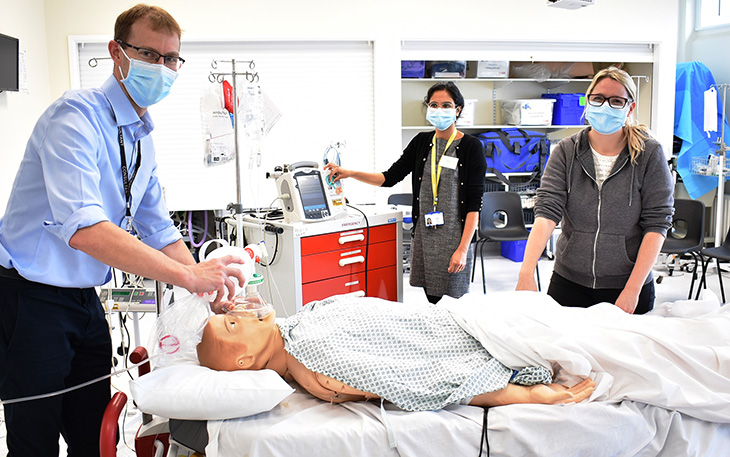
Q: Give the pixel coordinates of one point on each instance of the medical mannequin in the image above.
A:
(245, 341)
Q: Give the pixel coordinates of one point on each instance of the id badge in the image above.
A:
(434, 219)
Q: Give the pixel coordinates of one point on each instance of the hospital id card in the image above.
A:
(434, 218)
(449, 162)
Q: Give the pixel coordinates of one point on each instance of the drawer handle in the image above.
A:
(351, 238)
(352, 283)
(350, 260)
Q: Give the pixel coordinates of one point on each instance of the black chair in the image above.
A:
(687, 235)
(501, 219)
(404, 200)
(718, 253)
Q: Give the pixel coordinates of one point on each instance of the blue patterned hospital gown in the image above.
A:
(413, 355)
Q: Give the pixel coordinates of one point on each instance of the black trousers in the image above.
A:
(568, 293)
(52, 338)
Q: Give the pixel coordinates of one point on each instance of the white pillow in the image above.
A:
(194, 392)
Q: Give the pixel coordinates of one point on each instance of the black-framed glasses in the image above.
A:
(150, 56)
(444, 105)
(614, 102)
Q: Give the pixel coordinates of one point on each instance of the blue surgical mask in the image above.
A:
(606, 120)
(441, 118)
(147, 83)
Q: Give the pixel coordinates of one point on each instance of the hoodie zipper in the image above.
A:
(598, 216)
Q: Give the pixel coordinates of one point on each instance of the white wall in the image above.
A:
(18, 111)
(708, 46)
(385, 22)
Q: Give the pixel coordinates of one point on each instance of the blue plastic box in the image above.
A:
(412, 68)
(568, 108)
(514, 250)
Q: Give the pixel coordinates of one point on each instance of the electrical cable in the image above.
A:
(367, 243)
(191, 236)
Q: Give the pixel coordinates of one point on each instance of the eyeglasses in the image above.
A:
(614, 102)
(149, 56)
(444, 105)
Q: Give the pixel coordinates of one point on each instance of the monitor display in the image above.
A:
(311, 191)
(9, 54)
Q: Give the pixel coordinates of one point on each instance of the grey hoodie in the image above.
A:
(603, 229)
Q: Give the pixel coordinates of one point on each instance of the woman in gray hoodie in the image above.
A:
(610, 188)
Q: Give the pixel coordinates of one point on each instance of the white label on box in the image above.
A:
(466, 118)
(493, 69)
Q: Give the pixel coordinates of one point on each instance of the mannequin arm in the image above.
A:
(324, 387)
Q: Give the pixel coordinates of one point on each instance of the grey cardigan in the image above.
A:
(603, 229)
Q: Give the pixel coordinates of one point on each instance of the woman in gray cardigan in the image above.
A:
(610, 188)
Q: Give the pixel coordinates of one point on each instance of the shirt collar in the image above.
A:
(123, 110)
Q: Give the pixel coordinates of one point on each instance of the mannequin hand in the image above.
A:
(551, 394)
(457, 263)
(627, 301)
(526, 282)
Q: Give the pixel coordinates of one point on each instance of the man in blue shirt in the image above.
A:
(88, 183)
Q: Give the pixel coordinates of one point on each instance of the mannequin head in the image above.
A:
(237, 341)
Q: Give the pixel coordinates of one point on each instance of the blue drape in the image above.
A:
(693, 79)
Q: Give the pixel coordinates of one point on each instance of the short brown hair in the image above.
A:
(159, 19)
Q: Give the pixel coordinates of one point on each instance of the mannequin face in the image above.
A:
(238, 341)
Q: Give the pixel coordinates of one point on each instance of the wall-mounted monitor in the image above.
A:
(9, 54)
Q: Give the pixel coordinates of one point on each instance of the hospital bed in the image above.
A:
(302, 425)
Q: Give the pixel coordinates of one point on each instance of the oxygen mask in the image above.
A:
(252, 303)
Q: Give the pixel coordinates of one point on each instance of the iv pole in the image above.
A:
(721, 152)
(237, 207)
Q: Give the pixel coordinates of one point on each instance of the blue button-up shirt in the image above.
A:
(70, 178)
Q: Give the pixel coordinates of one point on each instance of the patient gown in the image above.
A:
(413, 355)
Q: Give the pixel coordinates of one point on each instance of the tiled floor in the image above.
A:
(501, 276)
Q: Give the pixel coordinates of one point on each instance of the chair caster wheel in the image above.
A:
(659, 279)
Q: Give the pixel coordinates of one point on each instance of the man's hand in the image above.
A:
(216, 275)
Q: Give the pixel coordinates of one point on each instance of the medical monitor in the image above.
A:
(9, 56)
(311, 192)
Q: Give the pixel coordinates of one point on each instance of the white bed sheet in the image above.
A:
(676, 363)
(626, 417)
(303, 425)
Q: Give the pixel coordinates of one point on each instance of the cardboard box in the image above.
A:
(467, 114)
(538, 111)
(493, 69)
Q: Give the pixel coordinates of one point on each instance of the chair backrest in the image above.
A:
(400, 199)
(688, 222)
(501, 212)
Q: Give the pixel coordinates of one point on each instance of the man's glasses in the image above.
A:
(445, 105)
(149, 56)
(615, 102)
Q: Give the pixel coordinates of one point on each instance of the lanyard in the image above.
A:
(125, 176)
(436, 175)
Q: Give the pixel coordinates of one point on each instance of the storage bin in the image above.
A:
(513, 250)
(466, 119)
(450, 69)
(568, 108)
(493, 69)
(537, 111)
(412, 68)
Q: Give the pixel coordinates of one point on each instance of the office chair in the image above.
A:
(501, 219)
(718, 253)
(687, 235)
(404, 200)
